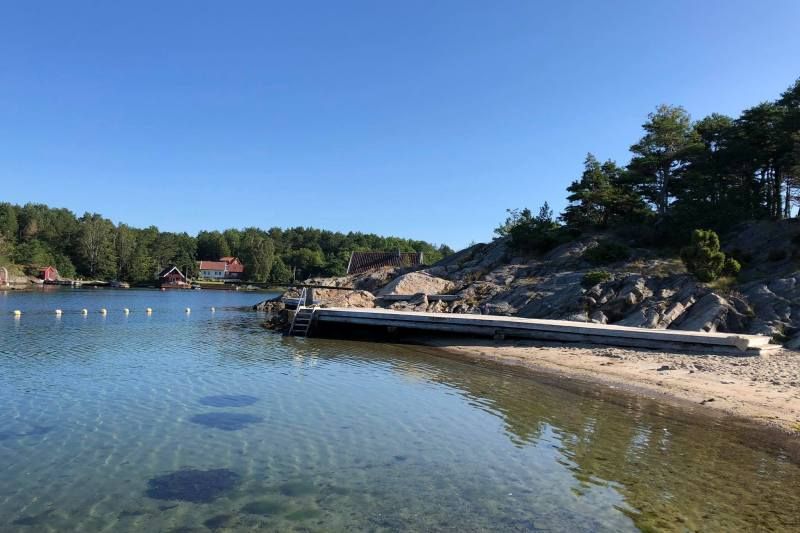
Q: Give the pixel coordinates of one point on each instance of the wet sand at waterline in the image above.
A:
(764, 389)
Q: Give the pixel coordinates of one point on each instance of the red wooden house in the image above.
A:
(48, 273)
(172, 277)
(227, 268)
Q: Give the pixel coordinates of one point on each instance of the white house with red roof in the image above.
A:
(227, 268)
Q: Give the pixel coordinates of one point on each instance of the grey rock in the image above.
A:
(707, 314)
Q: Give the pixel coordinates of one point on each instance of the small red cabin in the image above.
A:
(48, 273)
(171, 277)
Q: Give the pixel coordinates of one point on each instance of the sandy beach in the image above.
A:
(761, 389)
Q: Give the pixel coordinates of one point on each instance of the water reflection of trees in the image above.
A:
(678, 471)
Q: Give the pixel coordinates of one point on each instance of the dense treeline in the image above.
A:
(91, 246)
(683, 175)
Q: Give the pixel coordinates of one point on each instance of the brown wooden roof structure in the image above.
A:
(366, 261)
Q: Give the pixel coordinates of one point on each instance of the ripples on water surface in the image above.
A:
(206, 422)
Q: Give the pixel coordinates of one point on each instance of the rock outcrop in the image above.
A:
(776, 307)
(644, 291)
(416, 283)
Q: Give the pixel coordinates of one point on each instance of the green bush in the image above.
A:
(531, 233)
(590, 279)
(703, 257)
(731, 267)
(607, 252)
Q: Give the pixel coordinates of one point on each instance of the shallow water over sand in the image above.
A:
(205, 421)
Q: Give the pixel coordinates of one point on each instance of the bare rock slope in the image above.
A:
(645, 291)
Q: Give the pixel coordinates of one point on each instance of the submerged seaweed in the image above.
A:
(304, 514)
(219, 521)
(226, 421)
(299, 487)
(264, 507)
(32, 520)
(228, 400)
(35, 431)
(198, 486)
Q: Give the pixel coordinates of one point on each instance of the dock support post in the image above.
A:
(309, 297)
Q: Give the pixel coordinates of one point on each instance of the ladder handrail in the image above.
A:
(300, 301)
(304, 327)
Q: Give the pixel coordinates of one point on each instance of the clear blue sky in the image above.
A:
(415, 118)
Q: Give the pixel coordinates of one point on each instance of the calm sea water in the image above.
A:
(205, 421)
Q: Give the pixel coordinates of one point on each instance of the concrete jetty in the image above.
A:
(550, 330)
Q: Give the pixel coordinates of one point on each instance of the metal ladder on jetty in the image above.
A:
(301, 323)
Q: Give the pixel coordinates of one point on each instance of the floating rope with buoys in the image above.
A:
(17, 313)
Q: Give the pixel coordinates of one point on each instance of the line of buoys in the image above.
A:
(103, 311)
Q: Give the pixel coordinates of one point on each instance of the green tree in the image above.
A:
(529, 233)
(305, 262)
(704, 258)
(212, 245)
(762, 153)
(280, 273)
(602, 198)
(660, 154)
(6, 250)
(589, 197)
(175, 249)
(257, 254)
(96, 243)
(142, 266)
(33, 253)
(9, 227)
(708, 192)
(64, 265)
(125, 247)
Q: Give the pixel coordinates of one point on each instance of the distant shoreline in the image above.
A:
(54, 288)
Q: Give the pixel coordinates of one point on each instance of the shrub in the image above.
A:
(607, 252)
(796, 240)
(531, 233)
(590, 279)
(702, 257)
(777, 254)
(731, 267)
